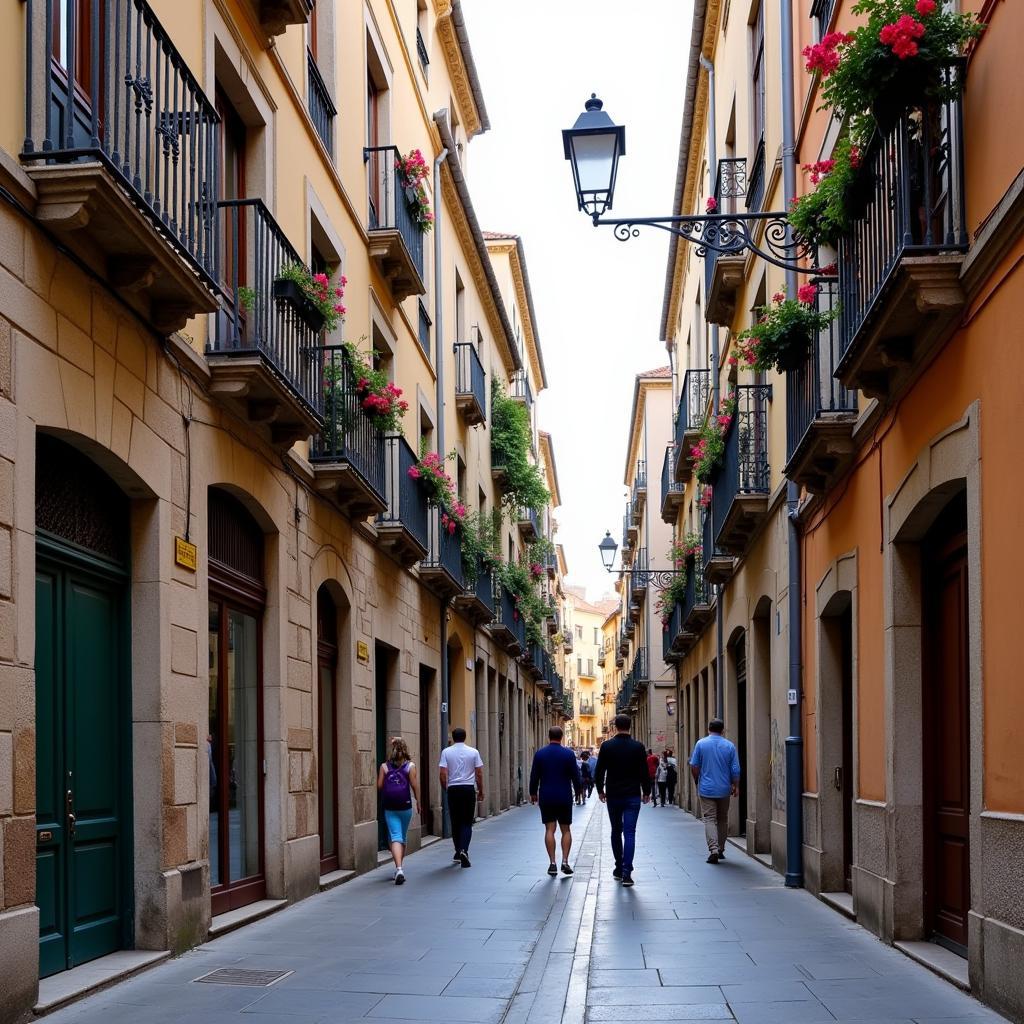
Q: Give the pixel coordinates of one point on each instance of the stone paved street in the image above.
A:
(503, 942)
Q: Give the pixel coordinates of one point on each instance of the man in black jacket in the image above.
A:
(623, 783)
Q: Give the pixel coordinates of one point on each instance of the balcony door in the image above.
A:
(233, 235)
(375, 135)
(327, 731)
(76, 51)
(235, 733)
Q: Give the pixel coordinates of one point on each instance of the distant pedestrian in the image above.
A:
(623, 783)
(715, 766)
(578, 755)
(587, 774)
(652, 767)
(554, 779)
(462, 775)
(399, 787)
(661, 778)
(673, 774)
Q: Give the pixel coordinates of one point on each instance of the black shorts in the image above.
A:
(560, 812)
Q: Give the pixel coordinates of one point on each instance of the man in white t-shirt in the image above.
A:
(462, 775)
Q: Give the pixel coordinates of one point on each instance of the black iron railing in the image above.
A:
(252, 317)
(529, 515)
(730, 185)
(406, 498)
(639, 578)
(483, 585)
(755, 179)
(913, 204)
(321, 108)
(627, 522)
(709, 545)
(520, 387)
(812, 389)
(670, 631)
(586, 707)
(134, 106)
(669, 484)
(390, 206)
(744, 468)
(640, 483)
(348, 434)
(693, 402)
(507, 615)
(641, 668)
(470, 379)
(697, 589)
(421, 49)
(444, 549)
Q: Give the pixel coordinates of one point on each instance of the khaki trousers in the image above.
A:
(715, 812)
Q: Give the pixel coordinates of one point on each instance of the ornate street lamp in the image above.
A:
(593, 146)
(661, 578)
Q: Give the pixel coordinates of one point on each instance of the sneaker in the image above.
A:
(399, 877)
(566, 870)
(721, 855)
(712, 858)
(617, 874)
(455, 856)
(627, 879)
(552, 869)
(464, 858)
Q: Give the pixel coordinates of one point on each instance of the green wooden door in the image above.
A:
(82, 824)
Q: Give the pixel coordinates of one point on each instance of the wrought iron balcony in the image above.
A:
(276, 15)
(696, 606)
(520, 388)
(508, 628)
(396, 238)
(402, 526)
(348, 451)
(421, 50)
(639, 493)
(638, 578)
(498, 472)
(820, 412)
(476, 601)
(641, 669)
(671, 636)
(740, 489)
(529, 529)
(532, 659)
(262, 349)
(672, 491)
(321, 107)
(441, 569)
(627, 536)
(125, 161)
(568, 701)
(723, 272)
(470, 384)
(899, 263)
(551, 564)
(717, 564)
(693, 407)
(587, 708)
(632, 523)
(600, 658)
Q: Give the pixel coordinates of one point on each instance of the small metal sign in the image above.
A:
(444, 707)
(185, 554)
(362, 650)
(46, 836)
(791, 696)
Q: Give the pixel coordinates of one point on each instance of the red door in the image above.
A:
(946, 726)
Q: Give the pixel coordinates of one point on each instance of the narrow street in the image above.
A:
(502, 942)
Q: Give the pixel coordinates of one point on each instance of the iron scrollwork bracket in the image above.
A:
(658, 578)
(728, 234)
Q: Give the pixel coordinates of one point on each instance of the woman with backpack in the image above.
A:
(399, 786)
(672, 774)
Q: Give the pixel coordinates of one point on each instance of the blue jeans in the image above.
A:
(623, 814)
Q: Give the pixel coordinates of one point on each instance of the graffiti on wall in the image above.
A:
(777, 768)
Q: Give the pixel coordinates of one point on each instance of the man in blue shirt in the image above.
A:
(715, 766)
(554, 781)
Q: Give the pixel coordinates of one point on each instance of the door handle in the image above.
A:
(837, 777)
(71, 814)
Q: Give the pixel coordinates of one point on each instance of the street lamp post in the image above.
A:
(593, 146)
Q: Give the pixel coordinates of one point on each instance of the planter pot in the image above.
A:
(792, 351)
(908, 89)
(291, 292)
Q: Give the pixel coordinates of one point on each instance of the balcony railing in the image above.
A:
(639, 493)
(696, 610)
(348, 434)
(476, 600)
(254, 319)
(723, 271)
(441, 569)
(424, 323)
(670, 634)
(135, 107)
(520, 388)
(638, 578)
(392, 210)
(321, 108)
(404, 522)
(508, 627)
(672, 491)
(740, 488)
(470, 383)
(421, 50)
(912, 205)
(528, 524)
(693, 404)
(641, 669)
(587, 708)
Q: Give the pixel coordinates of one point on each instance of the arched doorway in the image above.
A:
(327, 728)
(737, 721)
(83, 710)
(235, 735)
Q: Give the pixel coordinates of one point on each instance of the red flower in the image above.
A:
(829, 270)
(779, 297)
(925, 7)
(807, 293)
(711, 205)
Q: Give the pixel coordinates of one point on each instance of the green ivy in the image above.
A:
(510, 448)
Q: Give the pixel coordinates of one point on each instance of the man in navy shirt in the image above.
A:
(554, 781)
(715, 766)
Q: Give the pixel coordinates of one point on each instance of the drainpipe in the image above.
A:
(794, 741)
(439, 366)
(709, 67)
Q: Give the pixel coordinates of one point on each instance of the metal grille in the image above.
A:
(234, 536)
(242, 977)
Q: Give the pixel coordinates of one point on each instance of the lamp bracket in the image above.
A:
(659, 578)
(728, 234)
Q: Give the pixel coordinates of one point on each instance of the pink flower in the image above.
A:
(414, 473)
(779, 297)
(829, 270)
(807, 293)
(711, 205)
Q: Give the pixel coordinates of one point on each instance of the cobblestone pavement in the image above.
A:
(503, 942)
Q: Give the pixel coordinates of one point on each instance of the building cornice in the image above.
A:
(454, 40)
(547, 447)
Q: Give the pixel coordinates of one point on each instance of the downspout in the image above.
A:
(647, 602)
(709, 67)
(794, 741)
(439, 355)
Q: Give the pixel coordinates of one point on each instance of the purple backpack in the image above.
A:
(396, 793)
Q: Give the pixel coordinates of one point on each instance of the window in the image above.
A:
(460, 308)
(757, 76)
(579, 632)
(421, 36)
(596, 640)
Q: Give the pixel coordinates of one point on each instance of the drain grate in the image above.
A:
(242, 977)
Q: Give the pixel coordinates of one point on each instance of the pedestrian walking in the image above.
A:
(578, 755)
(673, 775)
(462, 775)
(587, 774)
(398, 787)
(623, 780)
(652, 768)
(661, 778)
(554, 779)
(715, 766)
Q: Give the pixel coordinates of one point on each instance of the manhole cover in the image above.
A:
(246, 978)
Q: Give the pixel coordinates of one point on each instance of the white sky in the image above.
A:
(598, 300)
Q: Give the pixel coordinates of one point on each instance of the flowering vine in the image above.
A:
(783, 333)
(440, 488)
(379, 398)
(679, 554)
(709, 450)
(413, 170)
(318, 292)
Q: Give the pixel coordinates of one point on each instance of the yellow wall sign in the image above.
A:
(185, 554)
(362, 650)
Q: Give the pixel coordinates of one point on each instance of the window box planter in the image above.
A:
(291, 292)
